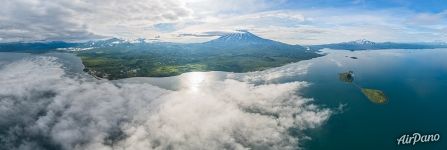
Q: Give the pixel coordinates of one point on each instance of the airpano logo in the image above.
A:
(417, 137)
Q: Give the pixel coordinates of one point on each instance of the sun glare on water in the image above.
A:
(193, 81)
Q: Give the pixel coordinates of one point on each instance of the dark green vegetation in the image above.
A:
(374, 95)
(116, 59)
(234, 52)
(124, 65)
(239, 52)
(346, 76)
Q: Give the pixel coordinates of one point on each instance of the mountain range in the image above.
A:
(229, 42)
(234, 52)
(239, 43)
(241, 51)
(369, 45)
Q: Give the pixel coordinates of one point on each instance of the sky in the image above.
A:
(189, 21)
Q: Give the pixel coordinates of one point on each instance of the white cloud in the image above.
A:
(324, 25)
(42, 107)
(428, 18)
(270, 75)
(219, 7)
(81, 20)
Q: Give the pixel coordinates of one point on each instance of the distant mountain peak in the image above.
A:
(440, 42)
(138, 40)
(362, 42)
(245, 31)
(241, 37)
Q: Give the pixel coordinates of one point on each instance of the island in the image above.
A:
(346, 76)
(374, 95)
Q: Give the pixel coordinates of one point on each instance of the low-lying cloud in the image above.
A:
(41, 107)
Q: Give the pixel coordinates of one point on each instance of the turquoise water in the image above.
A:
(415, 82)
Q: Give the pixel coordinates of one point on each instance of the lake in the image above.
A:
(414, 81)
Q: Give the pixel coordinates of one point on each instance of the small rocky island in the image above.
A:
(346, 76)
(352, 57)
(374, 95)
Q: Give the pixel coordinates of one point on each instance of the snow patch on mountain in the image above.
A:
(362, 42)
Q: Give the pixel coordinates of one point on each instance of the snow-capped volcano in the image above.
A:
(362, 42)
(242, 37)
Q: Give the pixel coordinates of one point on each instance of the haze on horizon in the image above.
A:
(293, 22)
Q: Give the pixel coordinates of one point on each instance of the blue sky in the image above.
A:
(434, 6)
(294, 22)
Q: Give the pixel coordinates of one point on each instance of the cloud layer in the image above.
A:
(41, 107)
(306, 22)
(82, 20)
